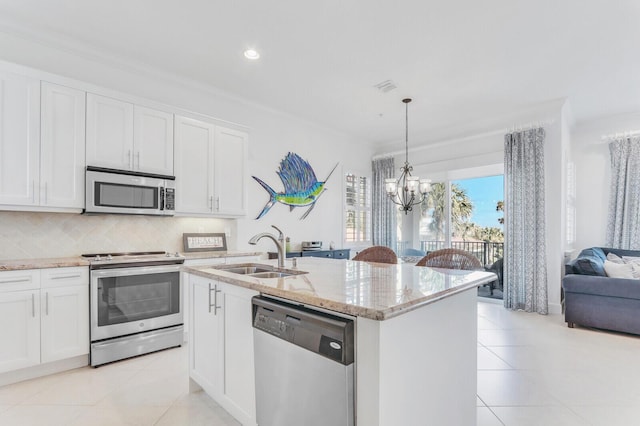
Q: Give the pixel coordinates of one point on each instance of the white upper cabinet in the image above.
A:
(62, 146)
(210, 169)
(19, 139)
(109, 132)
(152, 140)
(42, 145)
(229, 157)
(121, 135)
(194, 166)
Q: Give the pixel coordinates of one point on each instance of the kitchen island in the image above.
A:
(416, 337)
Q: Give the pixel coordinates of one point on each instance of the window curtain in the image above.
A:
(525, 265)
(623, 226)
(383, 211)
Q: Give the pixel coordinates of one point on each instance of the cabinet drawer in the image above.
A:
(19, 280)
(317, 254)
(341, 254)
(62, 277)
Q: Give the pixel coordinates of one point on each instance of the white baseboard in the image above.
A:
(554, 308)
(43, 369)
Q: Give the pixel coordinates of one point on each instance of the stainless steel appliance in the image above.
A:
(125, 192)
(304, 362)
(135, 304)
(311, 245)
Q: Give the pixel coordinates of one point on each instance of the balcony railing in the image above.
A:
(486, 252)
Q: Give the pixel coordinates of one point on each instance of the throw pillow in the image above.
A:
(615, 258)
(590, 262)
(635, 264)
(618, 270)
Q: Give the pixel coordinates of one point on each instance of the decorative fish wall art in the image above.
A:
(301, 187)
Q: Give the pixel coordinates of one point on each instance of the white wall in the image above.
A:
(593, 174)
(271, 136)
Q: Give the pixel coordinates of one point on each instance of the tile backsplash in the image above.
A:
(26, 235)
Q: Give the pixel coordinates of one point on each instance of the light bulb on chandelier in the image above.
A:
(407, 191)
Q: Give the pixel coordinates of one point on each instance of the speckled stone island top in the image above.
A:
(65, 262)
(371, 290)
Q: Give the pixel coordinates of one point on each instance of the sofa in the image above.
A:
(593, 299)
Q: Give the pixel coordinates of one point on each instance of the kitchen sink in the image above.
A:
(271, 274)
(246, 270)
(259, 270)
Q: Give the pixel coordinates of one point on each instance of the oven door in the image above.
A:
(136, 299)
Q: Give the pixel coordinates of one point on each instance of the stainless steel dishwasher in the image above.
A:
(304, 361)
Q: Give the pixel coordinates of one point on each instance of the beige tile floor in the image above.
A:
(532, 370)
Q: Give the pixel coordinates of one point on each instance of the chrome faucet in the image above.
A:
(279, 243)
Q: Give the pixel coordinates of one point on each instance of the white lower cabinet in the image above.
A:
(19, 329)
(221, 345)
(44, 316)
(64, 313)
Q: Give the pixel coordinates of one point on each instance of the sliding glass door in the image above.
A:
(466, 214)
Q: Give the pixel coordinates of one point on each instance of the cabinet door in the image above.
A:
(238, 388)
(205, 338)
(62, 146)
(152, 141)
(19, 329)
(19, 139)
(184, 277)
(194, 166)
(230, 158)
(65, 322)
(109, 132)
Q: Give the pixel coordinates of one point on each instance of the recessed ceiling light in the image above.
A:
(251, 54)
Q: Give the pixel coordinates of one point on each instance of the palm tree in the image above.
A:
(461, 209)
(500, 208)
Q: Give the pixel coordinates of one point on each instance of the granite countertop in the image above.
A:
(212, 254)
(57, 262)
(64, 262)
(371, 290)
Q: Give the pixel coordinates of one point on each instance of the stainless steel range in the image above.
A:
(136, 304)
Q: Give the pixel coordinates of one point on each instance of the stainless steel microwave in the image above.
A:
(125, 192)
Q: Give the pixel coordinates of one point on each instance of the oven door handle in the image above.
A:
(139, 270)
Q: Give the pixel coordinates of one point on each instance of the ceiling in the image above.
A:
(461, 61)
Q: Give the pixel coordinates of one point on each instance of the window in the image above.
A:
(357, 215)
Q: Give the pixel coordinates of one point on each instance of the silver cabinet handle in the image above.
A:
(217, 203)
(138, 156)
(46, 303)
(21, 280)
(33, 305)
(215, 301)
(46, 193)
(209, 297)
(211, 203)
(129, 159)
(63, 277)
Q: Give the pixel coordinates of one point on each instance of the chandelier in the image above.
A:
(407, 190)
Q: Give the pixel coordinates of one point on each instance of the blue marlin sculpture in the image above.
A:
(301, 187)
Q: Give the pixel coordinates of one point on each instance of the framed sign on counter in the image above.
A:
(204, 242)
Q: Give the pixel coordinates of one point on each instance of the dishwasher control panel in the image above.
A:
(319, 332)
